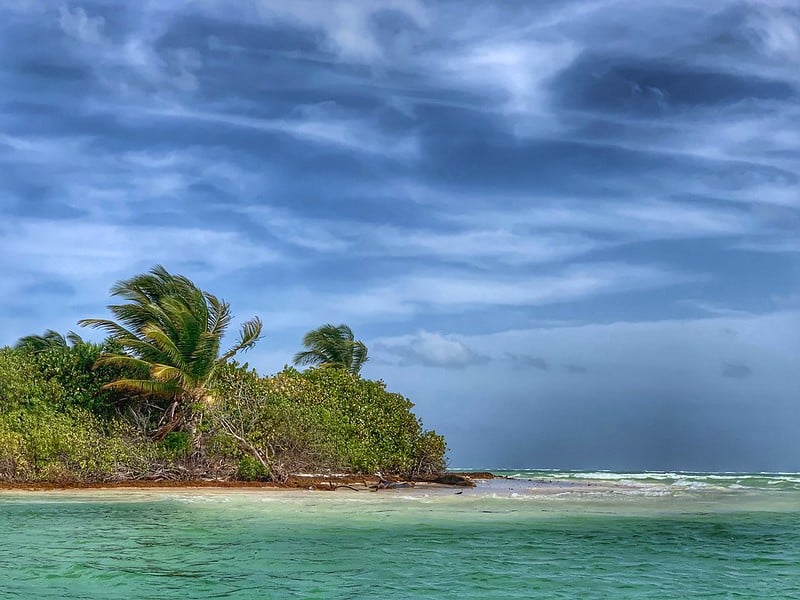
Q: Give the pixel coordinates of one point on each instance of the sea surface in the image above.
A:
(537, 534)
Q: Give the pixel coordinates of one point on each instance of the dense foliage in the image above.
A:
(171, 331)
(60, 422)
(332, 347)
(55, 416)
(322, 420)
(158, 399)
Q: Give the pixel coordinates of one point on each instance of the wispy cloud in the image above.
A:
(445, 292)
(429, 349)
(88, 257)
(132, 55)
(316, 124)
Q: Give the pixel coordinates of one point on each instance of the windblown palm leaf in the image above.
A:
(332, 346)
(48, 340)
(174, 330)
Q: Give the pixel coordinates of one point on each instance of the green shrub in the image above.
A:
(60, 377)
(177, 443)
(48, 445)
(22, 383)
(320, 420)
(58, 424)
(249, 469)
(73, 368)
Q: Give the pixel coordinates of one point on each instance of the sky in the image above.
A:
(569, 231)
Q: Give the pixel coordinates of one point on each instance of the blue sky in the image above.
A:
(567, 230)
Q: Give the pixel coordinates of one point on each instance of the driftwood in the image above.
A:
(385, 484)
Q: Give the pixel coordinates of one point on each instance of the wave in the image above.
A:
(677, 479)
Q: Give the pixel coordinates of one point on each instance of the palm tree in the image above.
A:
(173, 330)
(48, 340)
(332, 346)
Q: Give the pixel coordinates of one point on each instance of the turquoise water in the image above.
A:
(638, 536)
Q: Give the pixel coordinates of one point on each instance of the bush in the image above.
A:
(82, 384)
(58, 377)
(48, 445)
(249, 469)
(322, 420)
(22, 383)
(177, 444)
(57, 423)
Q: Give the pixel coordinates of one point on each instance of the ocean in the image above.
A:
(537, 534)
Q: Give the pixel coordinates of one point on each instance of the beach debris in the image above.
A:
(385, 484)
(454, 479)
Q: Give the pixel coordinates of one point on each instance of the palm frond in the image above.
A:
(115, 330)
(165, 344)
(308, 357)
(332, 346)
(74, 339)
(169, 374)
(122, 360)
(145, 386)
(219, 315)
(359, 357)
(249, 334)
(39, 343)
(166, 324)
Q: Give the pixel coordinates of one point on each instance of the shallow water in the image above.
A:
(550, 537)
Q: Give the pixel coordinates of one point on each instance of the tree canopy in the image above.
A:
(48, 340)
(332, 346)
(160, 399)
(174, 330)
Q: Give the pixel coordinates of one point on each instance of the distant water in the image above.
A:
(541, 534)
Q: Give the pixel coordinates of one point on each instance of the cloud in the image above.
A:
(777, 31)
(574, 282)
(119, 61)
(540, 185)
(429, 349)
(652, 396)
(317, 124)
(81, 26)
(517, 69)
(480, 245)
(785, 245)
(474, 245)
(713, 309)
(85, 258)
(736, 371)
(349, 28)
(526, 361)
(632, 220)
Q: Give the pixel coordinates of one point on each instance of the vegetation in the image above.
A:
(49, 340)
(158, 399)
(332, 347)
(171, 330)
(323, 420)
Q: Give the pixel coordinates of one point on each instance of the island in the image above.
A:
(159, 400)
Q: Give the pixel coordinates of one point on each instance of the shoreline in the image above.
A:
(461, 484)
(295, 482)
